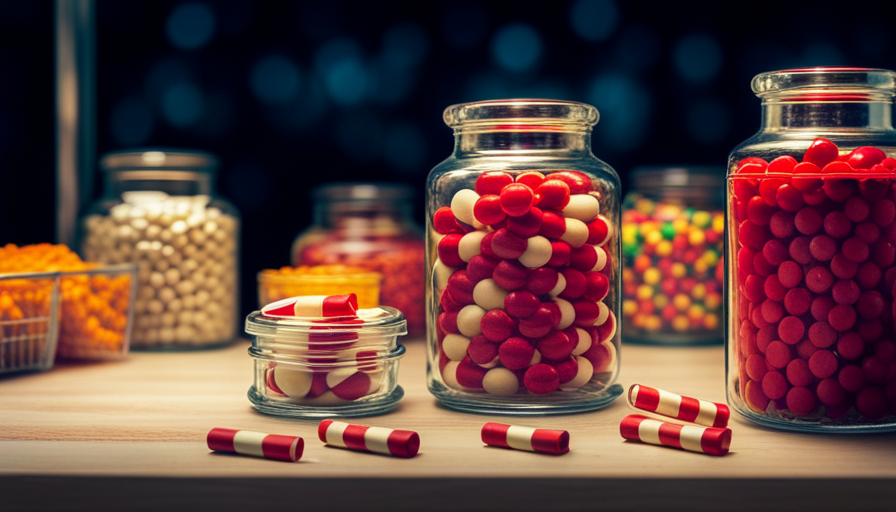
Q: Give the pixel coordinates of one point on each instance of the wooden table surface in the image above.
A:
(131, 435)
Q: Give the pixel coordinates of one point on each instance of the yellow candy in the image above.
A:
(652, 275)
(653, 238)
(681, 302)
(664, 248)
(679, 270)
(629, 307)
(696, 237)
(653, 323)
(701, 219)
(644, 292)
(712, 301)
(700, 267)
(711, 258)
(660, 301)
(711, 321)
(699, 291)
(680, 225)
(681, 323)
(696, 312)
(718, 223)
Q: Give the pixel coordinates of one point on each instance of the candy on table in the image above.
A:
(526, 438)
(314, 306)
(386, 441)
(94, 306)
(186, 251)
(673, 262)
(813, 283)
(709, 440)
(257, 444)
(521, 276)
(682, 408)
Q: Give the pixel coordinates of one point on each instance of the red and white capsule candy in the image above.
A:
(349, 383)
(583, 342)
(500, 382)
(576, 233)
(256, 444)
(529, 439)
(538, 252)
(567, 311)
(584, 372)
(583, 207)
(602, 357)
(314, 306)
(470, 244)
(469, 319)
(709, 440)
(462, 205)
(599, 231)
(488, 295)
(588, 258)
(603, 316)
(684, 408)
(386, 441)
(455, 346)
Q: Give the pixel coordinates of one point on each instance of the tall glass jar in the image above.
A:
(811, 251)
(673, 220)
(369, 225)
(522, 285)
(159, 210)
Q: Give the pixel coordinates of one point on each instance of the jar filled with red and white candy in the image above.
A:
(326, 367)
(522, 262)
(811, 250)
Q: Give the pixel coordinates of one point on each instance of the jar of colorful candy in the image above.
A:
(369, 225)
(812, 254)
(522, 253)
(672, 239)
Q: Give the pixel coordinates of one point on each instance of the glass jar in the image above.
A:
(522, 262)
(811, 234)
(160, 212)
(673, 223)
(309, 368)
(369, 225)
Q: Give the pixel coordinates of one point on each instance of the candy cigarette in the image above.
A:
(683, 408)
(386, 441)
(314, 306)
(257, 444)
(710, 440)
(526, 438)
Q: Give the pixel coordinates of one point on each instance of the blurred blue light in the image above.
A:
(183, 104)
(304, 110)
(405, 45)
(624, 105)
(708, 121)
(190, 26)
(340, 64)
(360, 137)
(131, 121)
(219, 115)
(516, 47)
(823, 54)
(406, 149)
(594, 20)
(464, 27)
(163, 75)
(637, 47)
(275, 79)
(698, 57)
(389, 84)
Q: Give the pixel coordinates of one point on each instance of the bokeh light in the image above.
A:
(594, 20)
(406, 149)
(182, 104)
(464, 27)
(275, 79)
(340, 64)
(708, 121)
(131, 121)
(697, 57)
(625, 106)
(389, 84)
(405, 45)
(304, 110)
(516, 47)
(190, 26)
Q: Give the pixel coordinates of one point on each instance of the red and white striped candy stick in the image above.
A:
(314, 306)
(258, 444)
(711, 440)
(526, 438)
(679, 407)
(398, 443)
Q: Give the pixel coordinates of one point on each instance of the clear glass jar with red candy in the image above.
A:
(811, 254)
(522, 258)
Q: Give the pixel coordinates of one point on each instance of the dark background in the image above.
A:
(293, 94)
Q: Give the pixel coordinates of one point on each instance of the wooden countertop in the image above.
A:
(131, 435)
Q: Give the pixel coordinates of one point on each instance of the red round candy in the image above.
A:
(448, 322)
(819, 279)
(541, 379)
(508, 245)
(821, 307)
(781, 165)
(482, 267)
(807, 221)
(552, 225)
(775, 252)
(800, 401)
(539, 324)
(772, 311)
(492, 182)
(857, 209)
(496, 325)
(774, 385)
(448, 303)
(883, 212)
(823, 247)
(556, 346)
(882, 252)
(756, 367)
(868, 275)
(885, 350)
(837, 224)
(560, 253)
(448, 250)
(542, 280)
(758, 211)
(842, 267)
(485, 247)
(444, 222)
(470, 374)
(851, 377)
(567, 369)
(823, 364)
(768, 188)
(778, 354)
(870, 330)
(798, 373)
(821, 152)
(799, 250)
(532, 179)
(482, 351)
(460, 287)
(822, 335)
(839, 190)
(845, 291)
(552, 194)
(870, 304)
(765, 336)
(487, 210)
(791, 330)
(789, 198)
(807, 183)
(761, 264)
(516, 353)
(830, 392)
(790, 274)
(587, 312)
(797, 301)
(516, 199)
(597, 286)
(842, 317)
(598, 231)
(744, 189)
(579, 183)
(815, 197)
(865, 157)
(871, 402)
(510, 275)
(521, 304)
(584, 258)
(745, 257)
(754, 396)
(873, 189)
(874, 369)
(526, 225)
(753, 289)
(781, 224)
(575, 283)
(773, 288)
(850, 346)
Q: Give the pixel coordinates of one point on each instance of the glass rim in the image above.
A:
(158, 159)
(363, 191)
(392, 323)
(521, 114)
(840, 83)
(679, 176)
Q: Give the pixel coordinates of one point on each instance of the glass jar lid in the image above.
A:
(521, 115)
(826, 84)
(680, 181)
(383, 321)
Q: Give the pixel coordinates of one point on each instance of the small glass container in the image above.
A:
(673, 224)
(316, 368)
(523, 286)
(811, 246)
(274, 285)
(160, 211)
(369, 225)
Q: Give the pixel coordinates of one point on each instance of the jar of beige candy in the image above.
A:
(159, 210)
